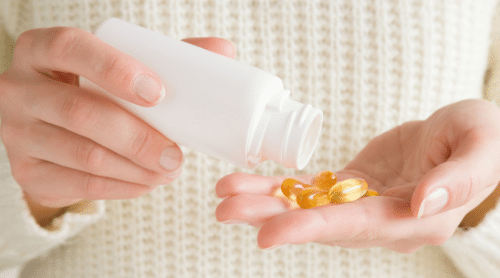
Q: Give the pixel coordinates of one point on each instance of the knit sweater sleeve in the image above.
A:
(476, 252)
(21, 238)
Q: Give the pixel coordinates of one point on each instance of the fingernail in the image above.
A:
(171, 158)
(232, 221)
(433, 203)
(148, 88)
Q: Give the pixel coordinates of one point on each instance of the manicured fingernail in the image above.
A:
(171, 158)
(232, 221)
(433, 203)
(148, 88)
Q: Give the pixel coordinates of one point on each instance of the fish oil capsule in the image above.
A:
(291, 188)
(347, 191)
(278, 193)
(324, 180)
(371, 193)
(312, 197)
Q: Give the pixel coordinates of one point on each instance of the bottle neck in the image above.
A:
(287, 132)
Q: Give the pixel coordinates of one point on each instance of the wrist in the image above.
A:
(42, 214)
(475, 216)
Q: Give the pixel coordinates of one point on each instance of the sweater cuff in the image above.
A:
(21, 238)
(475, 251)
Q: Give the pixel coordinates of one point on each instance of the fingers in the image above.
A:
(369, 222)
(252, 209)
(50, 143)
(72, 185)
(384, 221)
(77, 51)
(469, 175)
(217, 45)
(80, 52)
(368, 219)
(105, 123)
(242, 183)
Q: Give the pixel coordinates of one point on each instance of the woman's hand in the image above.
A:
(430, 173)
(65, 143)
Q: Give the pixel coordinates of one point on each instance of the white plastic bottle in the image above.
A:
(214, 104)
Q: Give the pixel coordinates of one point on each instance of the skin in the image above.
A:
(475, 216)
(66, 144)
(456, 148)
(59, 158)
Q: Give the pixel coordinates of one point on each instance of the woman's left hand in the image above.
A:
(429, 173)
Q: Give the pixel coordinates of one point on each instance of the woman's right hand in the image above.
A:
(66, 144)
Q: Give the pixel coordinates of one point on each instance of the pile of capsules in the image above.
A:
(324, 189)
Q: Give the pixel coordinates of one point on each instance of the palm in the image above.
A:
(455, 148)
(394, 162)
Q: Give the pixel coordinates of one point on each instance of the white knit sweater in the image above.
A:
(368, 64)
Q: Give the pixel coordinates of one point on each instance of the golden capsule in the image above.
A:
(324, 180)
(323, 190)
(291, 188)
(371, 193)
(312, 197)
(347, 191)
(277, 193)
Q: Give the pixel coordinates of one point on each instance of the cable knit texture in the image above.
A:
(368, 64)
(21, 238)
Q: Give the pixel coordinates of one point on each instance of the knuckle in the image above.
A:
(143, 141)
(94, 186)
(91, 156)
(24, 41)
(117, 68)
(25, 37)
(77, 111)
(62, 42)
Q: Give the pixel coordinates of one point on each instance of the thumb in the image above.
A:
(471, 171)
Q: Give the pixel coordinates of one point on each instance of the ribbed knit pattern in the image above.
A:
(478, 250)
(368, 64)
(21, 238)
